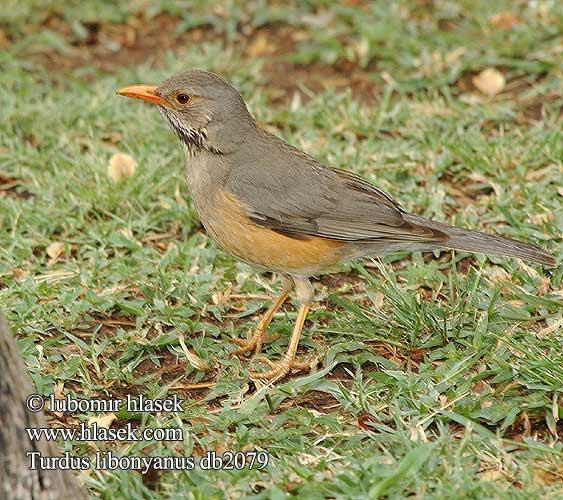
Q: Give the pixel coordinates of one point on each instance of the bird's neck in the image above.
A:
(195, 141)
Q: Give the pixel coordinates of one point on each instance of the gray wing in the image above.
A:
(293, 194)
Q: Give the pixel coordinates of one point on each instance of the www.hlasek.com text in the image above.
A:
(94, 432)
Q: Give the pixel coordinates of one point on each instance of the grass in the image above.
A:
(438, 376)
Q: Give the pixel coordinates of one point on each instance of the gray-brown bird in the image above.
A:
(273, 206)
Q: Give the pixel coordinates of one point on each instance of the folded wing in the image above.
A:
(310, 199)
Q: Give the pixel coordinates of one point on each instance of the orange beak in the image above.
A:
(145, 92)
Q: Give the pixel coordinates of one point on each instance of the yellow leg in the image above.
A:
(279, 370)
(259, 335)
(288, 362)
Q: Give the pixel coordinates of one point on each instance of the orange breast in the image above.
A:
(229, 225)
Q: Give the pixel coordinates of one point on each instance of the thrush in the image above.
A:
(275, 207)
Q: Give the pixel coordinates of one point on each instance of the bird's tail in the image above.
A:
(479, 242)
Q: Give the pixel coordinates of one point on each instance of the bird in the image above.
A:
(275, 207)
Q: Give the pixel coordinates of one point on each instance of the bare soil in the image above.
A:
(107, 46)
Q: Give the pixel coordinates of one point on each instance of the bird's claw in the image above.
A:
(278, 370)
(255, 342)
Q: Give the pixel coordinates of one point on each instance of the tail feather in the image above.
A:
(476, 241)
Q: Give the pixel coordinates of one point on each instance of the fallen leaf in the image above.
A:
(128, 233)
(498, 274)
(59, 391)
(104, 421)
(455, 55)
(417, 434)
(20, 273)
(53, 276)
(490, 475)
(543, 286)
(193, 358)
(551, 328)
(471, 99)
(7, 183)
(54, 250)
(545, 476)
(260, 46)
(378, 299)
(530, 270)
(533, 175)
(366, 421)
(3, 39)
(112, 137)
(220, 448)
(490, 81)
(504, 20)
(541, 218)
(121, 167)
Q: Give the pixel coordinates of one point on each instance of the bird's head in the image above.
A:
(203, 109)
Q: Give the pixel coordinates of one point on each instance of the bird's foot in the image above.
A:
(255, 342)
(280, 369)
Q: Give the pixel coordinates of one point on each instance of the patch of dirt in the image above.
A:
(533, 426)
(13, 188)
(170, 367)
(341, 372)
(250, 321)
(316, 400)
(465, 264)
(107, 46)
(405, 358)
(531, 109)
(287, 79)
(109, 325)
(337, 281)
(525, 426)
(160, 241)
(275, 42)
(464, 191)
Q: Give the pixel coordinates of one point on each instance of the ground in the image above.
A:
(435, 376)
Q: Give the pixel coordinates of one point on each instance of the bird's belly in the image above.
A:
(230, 227)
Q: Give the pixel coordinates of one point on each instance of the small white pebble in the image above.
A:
(490, 81)
(121, 166)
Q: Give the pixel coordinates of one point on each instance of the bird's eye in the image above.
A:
(182, 98)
